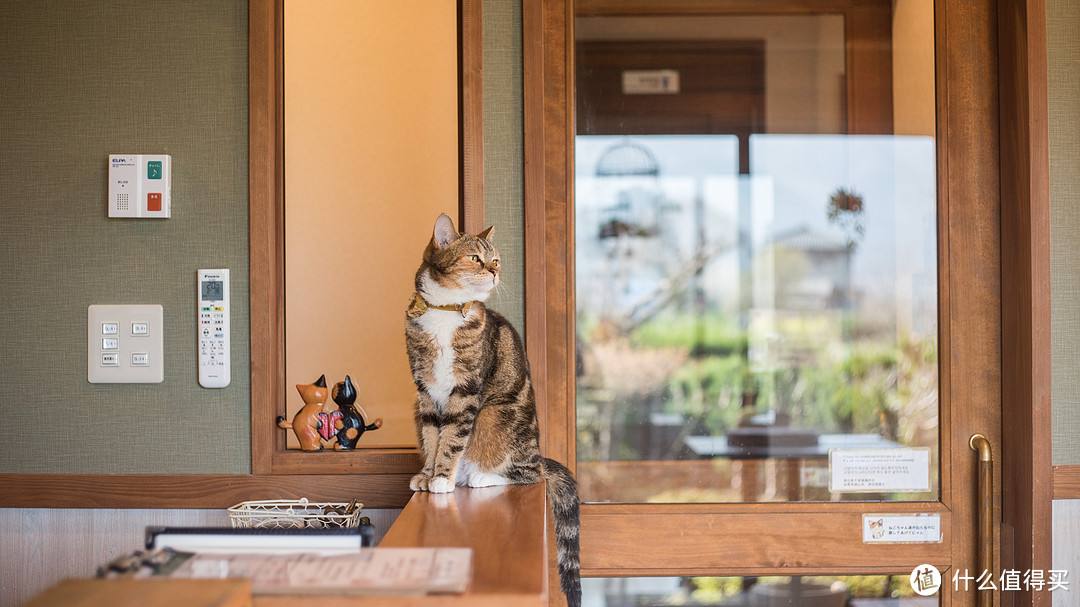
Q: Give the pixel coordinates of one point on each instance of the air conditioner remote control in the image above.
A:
(213, 328)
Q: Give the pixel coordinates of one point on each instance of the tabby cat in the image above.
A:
(475, 408)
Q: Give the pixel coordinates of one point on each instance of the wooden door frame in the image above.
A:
(1014, 337)
(1028, 478)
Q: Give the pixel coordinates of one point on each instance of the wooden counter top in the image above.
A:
(505, 527)
(140, 593)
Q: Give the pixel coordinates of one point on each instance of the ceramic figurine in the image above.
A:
(352, 424)
(307, 423)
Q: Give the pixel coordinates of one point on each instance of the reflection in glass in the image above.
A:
(745, 325)
(815, 591)
(756, 279)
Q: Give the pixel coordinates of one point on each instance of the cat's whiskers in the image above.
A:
(498, 291)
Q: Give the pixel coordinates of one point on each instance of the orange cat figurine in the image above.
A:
(306, 423)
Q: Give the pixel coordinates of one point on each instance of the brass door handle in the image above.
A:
(980, 444)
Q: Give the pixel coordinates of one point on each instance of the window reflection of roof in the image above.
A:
(627, 159)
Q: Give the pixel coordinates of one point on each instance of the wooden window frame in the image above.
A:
(269, 454)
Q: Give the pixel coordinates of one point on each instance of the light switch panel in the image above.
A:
(125, 344)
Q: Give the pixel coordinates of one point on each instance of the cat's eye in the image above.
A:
(495, 262)
(475, 258)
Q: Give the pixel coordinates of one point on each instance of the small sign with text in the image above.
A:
(892, 470)
(901, 528)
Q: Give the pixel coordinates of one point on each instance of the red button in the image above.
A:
(153, 202)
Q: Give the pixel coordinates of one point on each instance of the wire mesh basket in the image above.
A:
(295, 514)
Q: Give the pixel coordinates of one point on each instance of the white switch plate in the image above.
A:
(137, 331)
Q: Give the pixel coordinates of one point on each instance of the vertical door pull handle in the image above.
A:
(980, 444)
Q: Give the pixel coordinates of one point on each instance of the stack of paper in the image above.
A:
(369, 571)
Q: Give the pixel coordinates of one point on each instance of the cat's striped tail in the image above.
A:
(563, 495)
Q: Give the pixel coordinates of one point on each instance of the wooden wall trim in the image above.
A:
(534, 211)
(471, 114)
(266, 209)
(1066, 482)
(196, 490)
(548, 116)
(1027, 489)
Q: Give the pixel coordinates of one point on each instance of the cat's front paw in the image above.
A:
(420, 482)
(441, 484)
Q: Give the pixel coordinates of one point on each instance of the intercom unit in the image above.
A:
(140, 185)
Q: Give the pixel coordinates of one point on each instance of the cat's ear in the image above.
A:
(486, 234)
(444, 232)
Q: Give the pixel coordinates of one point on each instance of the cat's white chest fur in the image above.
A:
(441, 324)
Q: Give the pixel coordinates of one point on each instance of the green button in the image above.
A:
(153, 169)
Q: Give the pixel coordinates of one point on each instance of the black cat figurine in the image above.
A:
(352, 424)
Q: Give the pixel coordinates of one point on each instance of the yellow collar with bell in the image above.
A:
(419, 306)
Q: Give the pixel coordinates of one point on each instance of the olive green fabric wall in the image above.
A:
(80, 81)
(1063, 50)
(504, 192)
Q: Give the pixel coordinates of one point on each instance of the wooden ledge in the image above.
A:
(505, 527)
(196, 490)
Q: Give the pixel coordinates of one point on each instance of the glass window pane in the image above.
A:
(807, 591)
(756, 289)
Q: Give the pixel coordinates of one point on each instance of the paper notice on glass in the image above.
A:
(370, 571)
(901, 528)
(891, 470)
